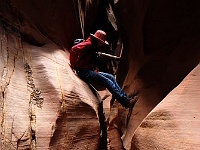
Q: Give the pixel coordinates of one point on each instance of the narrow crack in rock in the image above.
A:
(36, 100)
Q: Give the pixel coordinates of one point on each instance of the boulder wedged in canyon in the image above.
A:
(45, 105)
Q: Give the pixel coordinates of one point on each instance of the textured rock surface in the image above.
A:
(44, 105)
(174, 123)
(161, 40)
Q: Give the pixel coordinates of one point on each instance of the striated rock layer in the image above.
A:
(174, 123)
(162, 46)
(44, 105)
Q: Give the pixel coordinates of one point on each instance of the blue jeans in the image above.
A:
(107, 80)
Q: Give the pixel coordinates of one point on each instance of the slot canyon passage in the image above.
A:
(44, 105)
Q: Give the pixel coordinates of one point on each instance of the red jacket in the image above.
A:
(85, 58)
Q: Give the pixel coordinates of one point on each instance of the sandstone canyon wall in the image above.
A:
(44, 105)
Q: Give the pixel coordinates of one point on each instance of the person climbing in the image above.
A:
(82, 60)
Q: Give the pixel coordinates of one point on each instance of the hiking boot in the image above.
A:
(132, 102)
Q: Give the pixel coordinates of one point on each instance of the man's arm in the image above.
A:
(109, 56)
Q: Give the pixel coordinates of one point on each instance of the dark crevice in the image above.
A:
(10, 27)
(103, 127)
(103, 124)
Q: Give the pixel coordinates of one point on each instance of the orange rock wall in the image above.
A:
(161, 46)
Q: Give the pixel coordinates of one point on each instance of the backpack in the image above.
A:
(77, 41)
(74, 54)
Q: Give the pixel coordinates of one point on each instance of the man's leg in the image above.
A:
(91, 77)
(112, 78)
